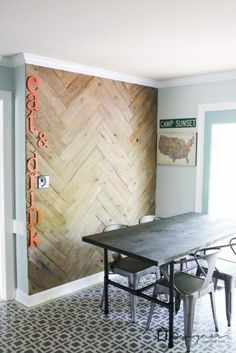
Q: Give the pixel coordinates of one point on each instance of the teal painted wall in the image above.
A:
(6, 79)
(176, 185)
(13, 80)
(7, 84)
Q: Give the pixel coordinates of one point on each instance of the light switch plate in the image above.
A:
(43, 181)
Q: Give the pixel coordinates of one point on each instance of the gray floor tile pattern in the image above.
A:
(76, 323)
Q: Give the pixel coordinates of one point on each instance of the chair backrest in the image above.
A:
(148, 218)
(209, 255)
(110, 227)
(232, 244)
(228, 249)
(114, 227)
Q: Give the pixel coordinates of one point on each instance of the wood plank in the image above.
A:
(101, 159)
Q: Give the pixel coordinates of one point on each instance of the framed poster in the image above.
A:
(177, 148)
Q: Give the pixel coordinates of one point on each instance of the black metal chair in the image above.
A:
(131, 268)
(190, 288)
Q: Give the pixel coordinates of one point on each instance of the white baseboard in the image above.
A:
(53, 293)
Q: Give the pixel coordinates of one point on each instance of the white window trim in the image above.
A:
(7, 275)
(202, 109)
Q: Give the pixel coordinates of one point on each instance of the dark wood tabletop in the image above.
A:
(165, 240)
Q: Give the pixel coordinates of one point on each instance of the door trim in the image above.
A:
(7, 275)
(202, 109)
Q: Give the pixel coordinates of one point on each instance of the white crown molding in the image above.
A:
(56, 292)
(82, 69)
(26, 58)
(191, 80)
(18, 60)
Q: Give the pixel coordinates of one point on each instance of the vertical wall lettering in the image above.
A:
(33, 212)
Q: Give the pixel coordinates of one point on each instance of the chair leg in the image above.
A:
(213, 307)
(157, 273)
(152, 306)
(229, 289)
(177, 302)
(215, 281)
(189, 308)
(198, 272)
(133, 284)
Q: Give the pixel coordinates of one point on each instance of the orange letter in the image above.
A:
(33, 240)
(31, 181)
(31, 118)
(31, 200)
(32, 163)
(33, 102)
(34, 217)
(32, 84)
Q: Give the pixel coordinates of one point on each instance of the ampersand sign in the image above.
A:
(42, 140)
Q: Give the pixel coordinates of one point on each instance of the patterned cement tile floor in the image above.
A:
(76, 324)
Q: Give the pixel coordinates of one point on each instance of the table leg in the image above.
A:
(106, 277)
(171, 305)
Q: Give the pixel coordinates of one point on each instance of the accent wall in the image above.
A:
(95, 139)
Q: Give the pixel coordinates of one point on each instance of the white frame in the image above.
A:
(202, 109)
(7, 290)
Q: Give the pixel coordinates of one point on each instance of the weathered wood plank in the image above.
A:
(101, 159)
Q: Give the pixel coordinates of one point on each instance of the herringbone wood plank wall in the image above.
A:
(101, 161)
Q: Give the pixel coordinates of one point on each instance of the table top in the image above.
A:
(165, 240)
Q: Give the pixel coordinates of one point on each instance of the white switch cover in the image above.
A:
(43, 181)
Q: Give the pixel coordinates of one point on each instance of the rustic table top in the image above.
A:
(165, 240)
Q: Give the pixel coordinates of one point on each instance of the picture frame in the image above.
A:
(177, 148)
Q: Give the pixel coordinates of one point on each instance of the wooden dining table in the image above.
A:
(161, 242)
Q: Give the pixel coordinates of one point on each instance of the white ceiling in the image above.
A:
(155, 39)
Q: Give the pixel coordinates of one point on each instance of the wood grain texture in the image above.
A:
(101, 161)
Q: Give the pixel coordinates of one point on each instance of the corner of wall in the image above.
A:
(20, 195)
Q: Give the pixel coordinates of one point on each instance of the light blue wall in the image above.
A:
(20, 205)
(7, 84)
(13, 80)
(6, 79)
(176, 185)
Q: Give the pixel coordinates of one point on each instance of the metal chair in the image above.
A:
(131, 268)
(192, 288)
(226, 271)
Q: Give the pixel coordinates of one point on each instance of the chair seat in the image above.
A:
(131, 268)
(225, 267)
(188, 284)
(127, 265)
(163, 285)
